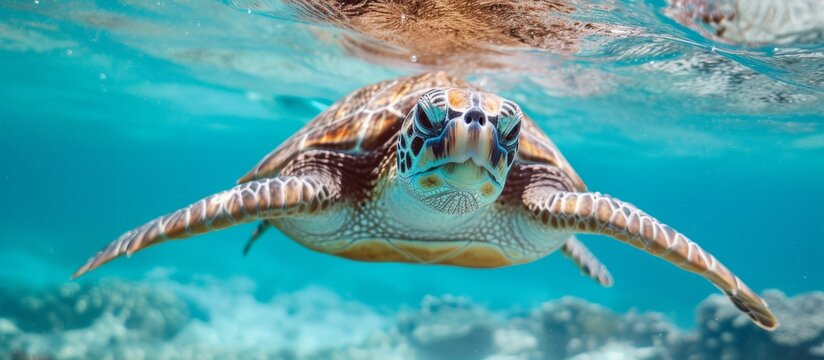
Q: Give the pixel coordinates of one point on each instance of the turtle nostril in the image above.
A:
(475, 116)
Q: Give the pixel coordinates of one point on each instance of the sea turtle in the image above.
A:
(430, 169)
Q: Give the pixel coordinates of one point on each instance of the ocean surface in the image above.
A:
(709, 115)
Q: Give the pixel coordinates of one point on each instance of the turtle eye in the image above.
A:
(509, 124)
(431, 110)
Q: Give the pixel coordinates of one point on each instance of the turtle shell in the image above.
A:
(365, 120)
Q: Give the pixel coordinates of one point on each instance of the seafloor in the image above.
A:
(211, 319)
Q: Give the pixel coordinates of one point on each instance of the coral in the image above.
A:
(73, 306)
(571, 326)
(122, 320)
(724, 333)
(77, 321)
(449, 327)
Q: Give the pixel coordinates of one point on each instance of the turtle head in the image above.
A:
(456, 148)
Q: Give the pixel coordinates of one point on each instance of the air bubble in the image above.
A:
(413, 58)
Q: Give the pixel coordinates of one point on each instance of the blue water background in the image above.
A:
(112, 114)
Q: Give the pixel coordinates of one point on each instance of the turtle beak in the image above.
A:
(469, 146)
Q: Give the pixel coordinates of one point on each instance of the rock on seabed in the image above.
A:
(122, 320)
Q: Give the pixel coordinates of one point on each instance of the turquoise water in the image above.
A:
(114, 113)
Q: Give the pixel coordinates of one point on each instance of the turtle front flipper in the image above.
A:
(576, 251)
(595, 213)
(259, 199)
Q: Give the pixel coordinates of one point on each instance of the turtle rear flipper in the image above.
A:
(259, 230)
(586, 261)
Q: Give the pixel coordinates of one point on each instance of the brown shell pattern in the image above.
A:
(362, 123)
(459, 34)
